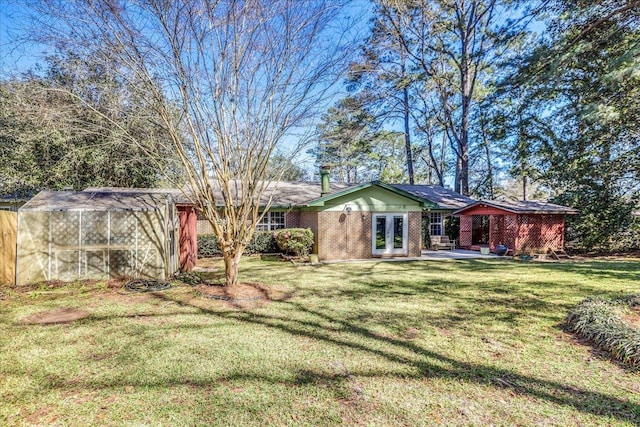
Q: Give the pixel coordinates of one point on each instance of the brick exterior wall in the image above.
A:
(348, 236)
(204, 227)
(292, 219)
(310, 220)
(344, 236)
(340, 236)
(414, 245)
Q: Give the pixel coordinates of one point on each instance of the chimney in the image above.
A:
(325, 188)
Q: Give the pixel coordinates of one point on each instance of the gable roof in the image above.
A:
(287, 194)
(443, 197)
(523, 207)
(321, 201)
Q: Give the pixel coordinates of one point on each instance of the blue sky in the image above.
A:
(19, 58)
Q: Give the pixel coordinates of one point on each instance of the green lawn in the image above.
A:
(378, 343)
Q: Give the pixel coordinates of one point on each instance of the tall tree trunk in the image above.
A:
(406, 112)
(443, 158)
(485, 142)
(467, 90)
(407, 137)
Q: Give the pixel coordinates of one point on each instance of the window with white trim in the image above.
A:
(271, 221)
(435, 224)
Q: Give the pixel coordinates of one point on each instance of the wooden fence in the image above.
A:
(8, 245)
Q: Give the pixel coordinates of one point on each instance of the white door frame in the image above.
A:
(389, 237)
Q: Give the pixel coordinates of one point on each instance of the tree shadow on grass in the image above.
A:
(429, 364)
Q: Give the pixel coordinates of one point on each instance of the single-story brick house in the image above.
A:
(522, 226)
(369, 220)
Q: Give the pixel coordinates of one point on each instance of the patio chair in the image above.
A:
(446, 243)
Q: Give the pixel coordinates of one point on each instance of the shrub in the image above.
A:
(262, 242)
(600, 321)
(296, 240)
(208, 246)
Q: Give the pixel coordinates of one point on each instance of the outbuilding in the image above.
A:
(67, 235)
(522, 226)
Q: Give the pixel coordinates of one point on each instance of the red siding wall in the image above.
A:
(188, 237)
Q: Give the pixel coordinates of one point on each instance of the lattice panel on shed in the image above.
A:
(149, 262)
(65, 227)
(122, 263)
(540, 232)
(94, 229)
(65, 264)
(466, 229)
(124, 229)
(95, 263)
(503, 230)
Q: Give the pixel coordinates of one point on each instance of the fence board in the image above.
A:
(8, 245)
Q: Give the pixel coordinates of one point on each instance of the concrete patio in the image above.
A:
(455, 254)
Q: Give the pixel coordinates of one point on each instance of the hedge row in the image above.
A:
(600, 321)
(262, 242)
(291, 240)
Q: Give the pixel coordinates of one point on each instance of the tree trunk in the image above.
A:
(443, 159)
(407, 137)
(231, 263)
(485, 141)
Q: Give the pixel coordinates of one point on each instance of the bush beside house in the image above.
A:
(295, 240)
(298, 241)
(262, 242)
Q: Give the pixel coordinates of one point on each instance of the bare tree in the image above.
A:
(241, 73)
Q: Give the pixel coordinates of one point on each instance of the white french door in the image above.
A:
(389, 234)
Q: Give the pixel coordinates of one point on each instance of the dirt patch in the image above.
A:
(243, 295)
(61, 315)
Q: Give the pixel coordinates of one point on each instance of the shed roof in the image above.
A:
(445, 198)
(95, 201)
(177, 195)
(522, 207)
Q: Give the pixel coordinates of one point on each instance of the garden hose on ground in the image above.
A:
(146, 285)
